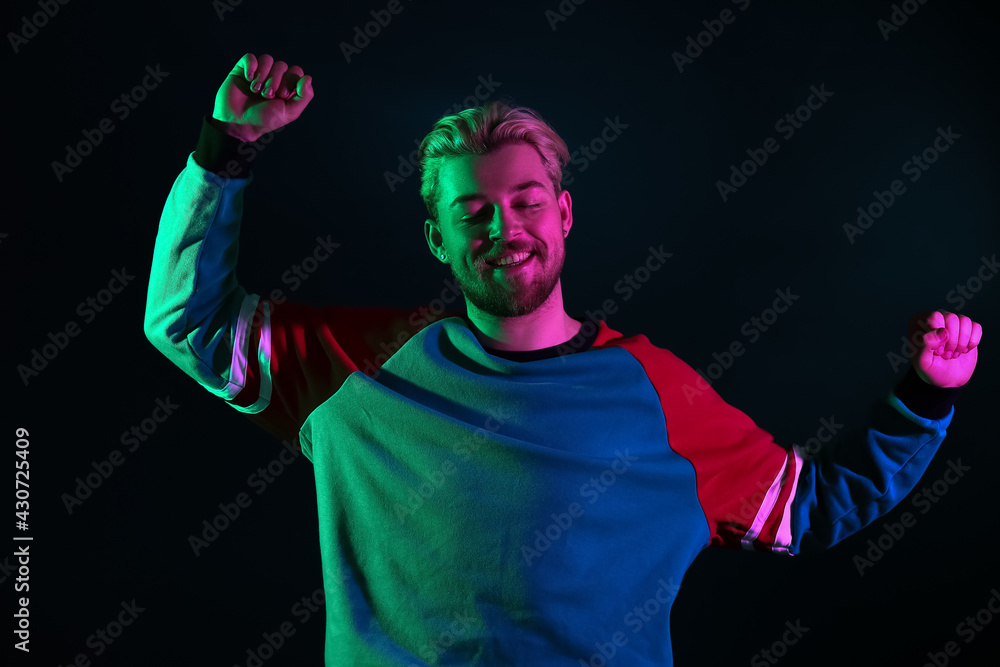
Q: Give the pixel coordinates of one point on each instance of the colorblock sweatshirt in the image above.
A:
(480, 507)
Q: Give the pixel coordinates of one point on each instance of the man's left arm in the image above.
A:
(758, 495)
(843, 489)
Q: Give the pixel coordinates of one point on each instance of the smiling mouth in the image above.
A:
(517, 259)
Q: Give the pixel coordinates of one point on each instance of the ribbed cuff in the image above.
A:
(220, 153)
(924, 399)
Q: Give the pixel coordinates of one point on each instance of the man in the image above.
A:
(511, 486)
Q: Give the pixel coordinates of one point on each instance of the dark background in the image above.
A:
(655, 184)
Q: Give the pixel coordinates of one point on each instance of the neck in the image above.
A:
(546, 326)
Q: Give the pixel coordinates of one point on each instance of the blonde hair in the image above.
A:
(481, 130)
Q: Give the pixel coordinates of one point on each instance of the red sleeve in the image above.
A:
(298, 356)
(744, 479)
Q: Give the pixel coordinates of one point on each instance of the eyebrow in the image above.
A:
(461, 199)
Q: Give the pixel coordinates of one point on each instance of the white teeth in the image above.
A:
(513, 259)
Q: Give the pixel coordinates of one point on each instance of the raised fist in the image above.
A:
(260, 95)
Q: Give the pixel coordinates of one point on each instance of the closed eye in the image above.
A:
(475, 216)
(481, 212)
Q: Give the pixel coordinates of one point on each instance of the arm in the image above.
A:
(197, 314)
(758, 495)
(194, 302)
(848, 484)
(843, 491)
(275, 361)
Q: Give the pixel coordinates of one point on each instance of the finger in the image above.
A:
(925, 356)
(264, 63)
(934, 321)
(246, 67)
(921, 323)
(976, 335)
(303, 91)
(954, 328)
(278, 70)
(934, 340)
(964, 334)
(286, 89)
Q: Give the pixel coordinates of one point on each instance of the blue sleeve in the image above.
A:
(847, 484)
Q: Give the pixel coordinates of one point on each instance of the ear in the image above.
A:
(565, 211)
(435, 241)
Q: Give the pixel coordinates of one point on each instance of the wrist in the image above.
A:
(923, 398)
(220, 152)
(237, 130)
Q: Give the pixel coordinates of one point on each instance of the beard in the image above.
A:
(516, 294)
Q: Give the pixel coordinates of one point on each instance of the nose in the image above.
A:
(504, 225)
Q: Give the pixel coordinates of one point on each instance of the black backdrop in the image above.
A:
(124, 550)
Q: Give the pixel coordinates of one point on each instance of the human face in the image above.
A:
(496, 206)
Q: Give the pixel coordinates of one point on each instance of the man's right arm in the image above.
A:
(232, 342)
(274, 360)
(197, 314)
